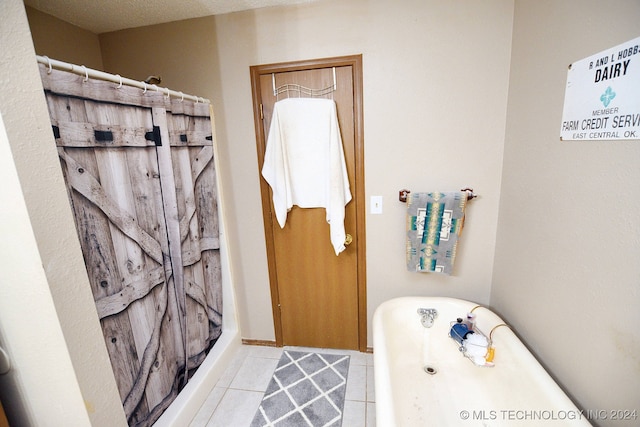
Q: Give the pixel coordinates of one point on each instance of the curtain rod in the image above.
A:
(115, 78)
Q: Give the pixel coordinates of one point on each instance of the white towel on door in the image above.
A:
(304, 162)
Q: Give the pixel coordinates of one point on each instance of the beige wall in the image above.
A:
(437, 76)
(53, 271)
(60, 40)
(426, 78)
(567, 258)
(40, 360)
(429, 72)
(183, 53)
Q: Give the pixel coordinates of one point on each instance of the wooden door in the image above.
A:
(3, 417)
(318, 298)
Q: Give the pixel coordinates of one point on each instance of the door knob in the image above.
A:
(348, 239)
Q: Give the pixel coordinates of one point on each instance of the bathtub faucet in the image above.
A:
(427, 316)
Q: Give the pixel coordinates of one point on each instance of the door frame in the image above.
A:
(355, 61)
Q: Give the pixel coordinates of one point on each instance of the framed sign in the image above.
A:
(602, 96)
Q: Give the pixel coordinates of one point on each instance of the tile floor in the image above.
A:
(235, 399)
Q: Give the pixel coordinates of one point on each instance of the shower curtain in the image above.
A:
(141, 181)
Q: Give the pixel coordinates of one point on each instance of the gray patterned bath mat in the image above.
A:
(307, 389)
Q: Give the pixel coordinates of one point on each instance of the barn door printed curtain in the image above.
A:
(141, 181)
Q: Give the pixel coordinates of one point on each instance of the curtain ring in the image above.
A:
(182, 98)
(86, 74)
(49, 62)
(120, 77)
(145, 86)
(168, 93)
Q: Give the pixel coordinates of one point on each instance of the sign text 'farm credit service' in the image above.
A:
(602, 96)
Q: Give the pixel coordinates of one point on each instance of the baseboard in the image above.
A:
(266, 343)
(263, 343)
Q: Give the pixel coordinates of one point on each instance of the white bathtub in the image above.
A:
(516, 391)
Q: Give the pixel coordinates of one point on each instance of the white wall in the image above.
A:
(567, 263)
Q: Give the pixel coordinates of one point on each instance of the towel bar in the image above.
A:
(402, 196)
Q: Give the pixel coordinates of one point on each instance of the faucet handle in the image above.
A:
(427, 316)
(428, 312)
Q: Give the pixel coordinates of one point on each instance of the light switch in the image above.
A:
(376, 205)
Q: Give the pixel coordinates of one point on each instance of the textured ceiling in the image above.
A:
(101, 16)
